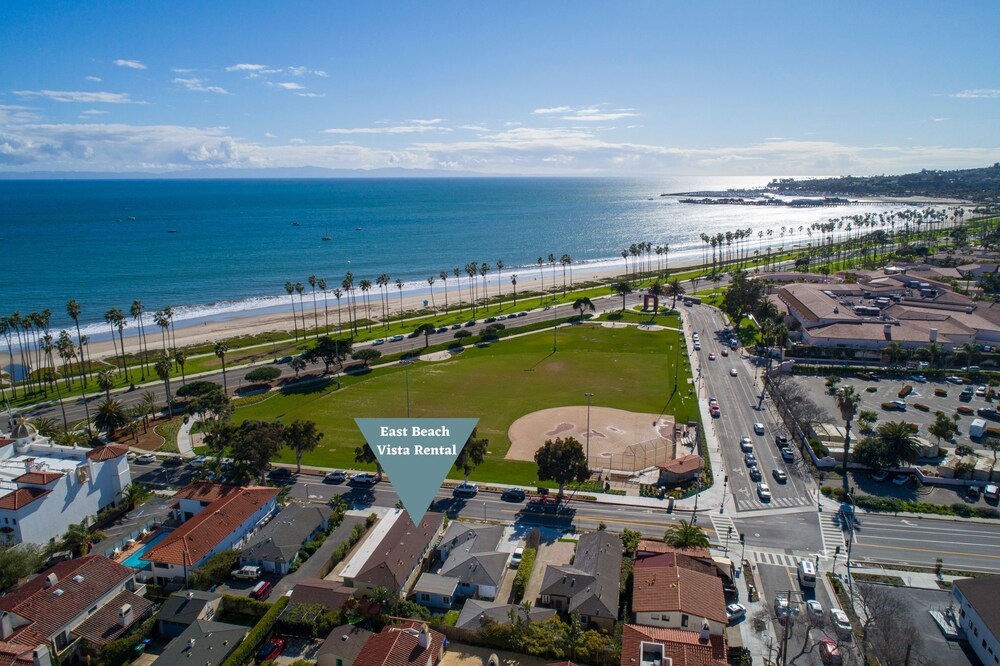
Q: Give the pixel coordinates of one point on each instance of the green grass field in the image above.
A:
(625, 368)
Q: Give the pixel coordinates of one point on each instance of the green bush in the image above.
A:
(987, 512)
(523, 573)
(818, 447)
(921, 407)
(122, 651)
(244, 606)
(258, 634)
(214, 571)
(905, 391)
(200, 387)
(262, 374)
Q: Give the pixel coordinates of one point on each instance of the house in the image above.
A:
(81, 603)
(472, 567)
(406, 644)
(589, 586)
(656, 646)
(221, 525)
(978, 601)
(182, 609)
(204, 642)
(276, 547)
(669, 591)
(343, 646)
(45, 487)
(393, 554)
(327, 593)
(681, 470)
(475, 613)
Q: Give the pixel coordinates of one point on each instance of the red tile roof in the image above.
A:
(190, 542)
(685, 465)
(674, 588)
(107, 452)
(653, 546)
(48, 610)
(21, 497)
(102, 627)
(684, 648)
(398, 646)
(5, 441)
(677, 559)
(205, 491)
(39, 478)
(14, 654)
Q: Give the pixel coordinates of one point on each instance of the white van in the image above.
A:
(807, 573)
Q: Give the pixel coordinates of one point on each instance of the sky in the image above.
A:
(530, 88)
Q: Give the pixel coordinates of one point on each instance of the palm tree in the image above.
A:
(484, 268)
(552, 261)
(366, 286)
(78, 538)
(337, 293)
(110, 417)
(399, 286)
(623, 289)
(541, 262)
(136, 312)
(430, 283)
(675, 289)
(566, 260)
(348, 285)
(290, 290)
(120, 323)
(685, 535)
(109, 319)
(583, 304)
(73, 310)
(169, 313)
(457, 272)
(326, 311)
(513, 282)
(894, 352)
(148, 405)
(444, 278)
(179, 358)
(300, 289)
(898, 442)
(162, 368)
(312, 283)
(135, 494)
(220, 350)
(106, 382)
(848, 401)
(161, 320)
(500, 266)
(383, 295)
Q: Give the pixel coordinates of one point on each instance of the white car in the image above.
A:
(953, 380)
(200, 461)
(364, 479)
(840, 621)
(732, 372)
(901, 479)
(336, 476)
(466, 490)
(697, 346)
(745, 444)
(712, 401)
(378, 341)
(515, 559)
(694, 336)
(758, 428)
(764, 492)
(814, 610)
(130, 456)
(991, 491)
(735, 612)
(981, 391)
(145, 459)
(396, 338)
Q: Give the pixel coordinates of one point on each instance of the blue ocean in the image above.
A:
(219, 248)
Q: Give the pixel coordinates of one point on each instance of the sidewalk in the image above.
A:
(184, 446)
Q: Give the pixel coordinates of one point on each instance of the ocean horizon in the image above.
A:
(218, 249)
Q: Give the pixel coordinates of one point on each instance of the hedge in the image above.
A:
(263, 374)
(524, 573)
(122, 650)
(258, 634)
(905, 391)
(217, 569)
(896, 505)
(233, 604)
(922, 407)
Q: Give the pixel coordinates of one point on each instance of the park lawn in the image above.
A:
(625, 368)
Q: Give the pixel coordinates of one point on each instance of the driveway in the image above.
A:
(556, 553)
(311, 568)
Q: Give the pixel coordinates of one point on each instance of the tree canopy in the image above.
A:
(330, 351)
(563, 461)
(472, 454)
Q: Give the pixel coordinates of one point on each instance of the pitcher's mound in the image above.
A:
(618, 439)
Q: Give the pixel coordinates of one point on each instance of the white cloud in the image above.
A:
(93, 112)
(246, 67)
(84, 97)
(412, 127)
(310, 94)
(270, 136)
(130, 64)
(198, 85)
(939, 120)
(430, 121)
(181, 70)
(594, 114)
(296, 141)
(978, 93)
(320, 73)
(552, 109)
(95, 79)
(288, 85)
(298, 71)
(474, 128)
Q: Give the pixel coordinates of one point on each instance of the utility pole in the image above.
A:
(729, 533)
(589, 396)
(554, 308)
(725, 485)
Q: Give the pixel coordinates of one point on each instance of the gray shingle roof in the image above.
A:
(184, 607)
(431, 583)
(283, 537)
(476, 610)
(345, 641)
(213, 641)
(592, 583)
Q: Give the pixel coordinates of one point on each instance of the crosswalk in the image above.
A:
(775, 559)
(753, 503)
(833, 535)
(722, 525)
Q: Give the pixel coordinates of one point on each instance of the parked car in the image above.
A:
(145, 459)
(173, 461)
(735, 612)
(261, 590)
(697, 346)
(130, 456)
(779, 475)
(991, 491)
(396, 338)
(764, 492)
(456, 327)
(829, 653)
(758, 428)
(470, 323)
(745, 444)
(200, 461)
(787, 454)
(972, 492)
(899, 405)
(781, 440)
(280, 473)
(814, 611)
(981, 391)
(248, 572)
(284, 359)
(880, 476)
(841, 623)
(466, 489)
(920, 379)
(364, 479)
(515, 558)
(953, 380)
(901, 479)
(712, 401)
(513, 495)
(442, 329)
(271, 649)
(336, 476)
(378, 341)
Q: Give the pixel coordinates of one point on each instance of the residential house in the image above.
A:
(182, 609)
(657, 646)
(204, 642)
(475, 613)
(45, 487)
(978, 601)
(85, 603)
(221, 525)
(471, 566)
(589, 586)
(681, 470)
(436, 591)
(327, 593)
(670, 591)
(392, 556)
(276, 547)
(343, 646)
(406, 644)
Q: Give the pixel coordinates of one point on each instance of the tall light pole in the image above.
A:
(554, 307)
(589, 396)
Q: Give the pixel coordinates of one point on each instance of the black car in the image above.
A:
(781, 440)
(281, 474)
(779, 475)
(513, 495)
(173, 461)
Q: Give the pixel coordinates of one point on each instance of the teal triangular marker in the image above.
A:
(417, 454)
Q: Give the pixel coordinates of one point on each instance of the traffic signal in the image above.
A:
(837, 551)
(743, 538)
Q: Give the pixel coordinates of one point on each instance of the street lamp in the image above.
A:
(554, 308)
(589, 396)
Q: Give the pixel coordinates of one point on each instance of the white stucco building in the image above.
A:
(45, 487)
(978, 600)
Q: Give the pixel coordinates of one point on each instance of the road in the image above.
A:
(739, 402)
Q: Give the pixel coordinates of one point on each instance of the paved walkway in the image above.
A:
(184, 446)
(311, 567)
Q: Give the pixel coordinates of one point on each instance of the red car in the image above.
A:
(725, 352)
(271, 649)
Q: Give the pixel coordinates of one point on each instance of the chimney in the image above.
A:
(706, 632)
(125, 616)
(6, 627)
(424, 641)
(40, 656)
(51, 580)
(190, 644)
(887, 329)
(934, 335)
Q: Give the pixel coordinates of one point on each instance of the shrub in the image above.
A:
(263, 374)
(941, 393)
(905, 391)
(200, 387)
(122, 651)
(818, 447)
(214, 571)
(871, 389)
(523, 573)
(962, 509)
(244, 606)
(987, 512)
(921, 407)
(260, 631)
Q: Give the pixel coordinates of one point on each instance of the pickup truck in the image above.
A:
(248, 572)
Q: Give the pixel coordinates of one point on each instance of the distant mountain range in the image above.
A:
(972, 184)
(230, 173)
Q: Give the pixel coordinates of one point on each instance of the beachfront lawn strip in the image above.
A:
(625, 368)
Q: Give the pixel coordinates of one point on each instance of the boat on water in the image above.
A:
(295, 224)
(171, 231)
(326, 238)
(131, 218)
(357, 229)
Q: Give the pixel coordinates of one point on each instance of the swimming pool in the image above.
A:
(133, 559)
